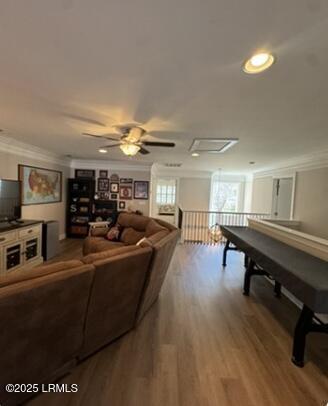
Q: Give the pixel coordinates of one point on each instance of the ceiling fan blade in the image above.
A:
(158, 144)
(111, 146)
(143, 151)
(104, 136)
(93, 135)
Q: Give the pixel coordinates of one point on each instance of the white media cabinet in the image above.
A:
(20, 245)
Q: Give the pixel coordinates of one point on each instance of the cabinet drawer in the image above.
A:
(5, 238)
(26, 232)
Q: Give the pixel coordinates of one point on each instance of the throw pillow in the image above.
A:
(114, 234)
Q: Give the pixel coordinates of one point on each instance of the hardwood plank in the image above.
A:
(203, 343)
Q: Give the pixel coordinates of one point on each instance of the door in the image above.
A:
(282, 198)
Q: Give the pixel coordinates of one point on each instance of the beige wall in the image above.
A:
(141, 205)
(311, 201)
(262, 195)
(52, 211)
(194, 193)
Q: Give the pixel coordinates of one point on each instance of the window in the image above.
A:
(165, 192)
(225, 196)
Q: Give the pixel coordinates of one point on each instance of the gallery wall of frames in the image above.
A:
(99, 194)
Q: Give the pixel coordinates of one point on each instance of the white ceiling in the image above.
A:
(69, 66)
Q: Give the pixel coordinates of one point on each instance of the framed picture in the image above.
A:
(113, 196)
(40, 185)
(103, 173)
(103, 184)
(114, 187)
(85, 173)
(121, 205)
(114, 178)
(126, 192)
(141, 188)
(126, 180)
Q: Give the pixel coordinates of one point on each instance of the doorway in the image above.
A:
(282, 198)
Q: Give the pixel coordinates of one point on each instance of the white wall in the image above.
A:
(52, 211)
(311, 201)
(310, 198)
(262, 195)
(194, 193)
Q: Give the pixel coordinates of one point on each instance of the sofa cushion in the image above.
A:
(90, 244)
(105, 245)
(158, 236)
(136, 221)
(22, 274)
(131, 236)
(153, 227)
(99, 231)
(89, 259)
(98, 244)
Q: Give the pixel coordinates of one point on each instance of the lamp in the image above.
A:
(129, 149)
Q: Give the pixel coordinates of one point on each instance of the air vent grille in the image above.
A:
(212, 145)
(172, 165)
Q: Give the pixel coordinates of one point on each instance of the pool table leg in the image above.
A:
(277, 289)
(247, 279)
(226, 249)
(246, 261)
(303, 327)
(251, 270)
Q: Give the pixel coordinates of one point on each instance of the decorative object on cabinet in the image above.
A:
(103, 185)
(103, 196)
(85, 173)
(141, 189)
(40, 185)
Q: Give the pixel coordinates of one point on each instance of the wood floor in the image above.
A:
(203, 344)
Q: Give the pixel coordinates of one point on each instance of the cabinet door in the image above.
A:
(2, 261)
(31, 249)
(13, 257)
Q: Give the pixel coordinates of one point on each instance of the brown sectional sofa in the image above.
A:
(54, 315)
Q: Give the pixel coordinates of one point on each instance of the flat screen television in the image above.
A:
(10, 200)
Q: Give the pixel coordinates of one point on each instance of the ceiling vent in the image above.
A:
(212, 145)
(173, 165)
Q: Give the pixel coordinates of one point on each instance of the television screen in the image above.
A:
(10, 200)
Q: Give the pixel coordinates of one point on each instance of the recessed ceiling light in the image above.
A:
(102, 150)
(195, 154)
(258, 63)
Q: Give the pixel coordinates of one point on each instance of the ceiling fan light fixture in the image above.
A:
(258, 63)
(135, 134)
(129, 149)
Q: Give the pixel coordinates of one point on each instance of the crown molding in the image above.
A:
(11, 146)
(303, 163)
(180, 173)
(112, 165)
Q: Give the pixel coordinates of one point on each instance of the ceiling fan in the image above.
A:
(130, 140)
